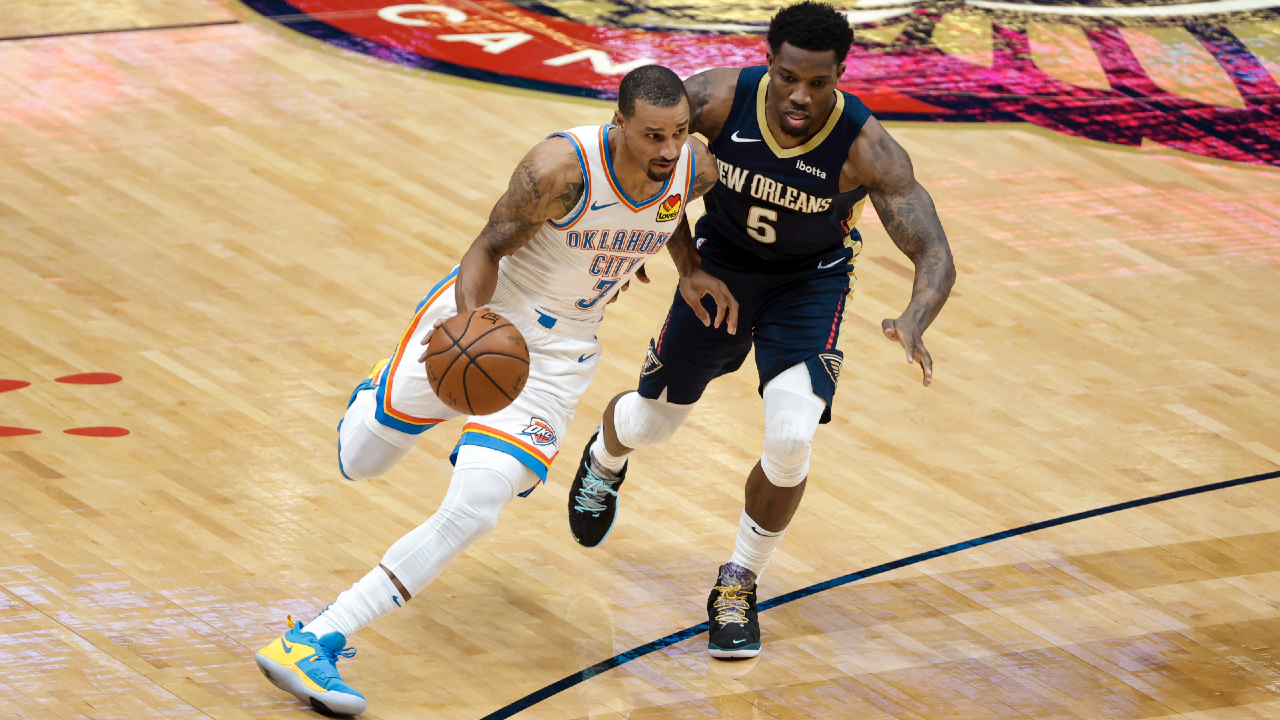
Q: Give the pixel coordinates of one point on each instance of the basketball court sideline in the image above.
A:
(236, 222)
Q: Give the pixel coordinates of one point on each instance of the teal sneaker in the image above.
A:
(305, 666)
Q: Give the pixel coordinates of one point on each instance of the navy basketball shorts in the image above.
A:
(790, 318)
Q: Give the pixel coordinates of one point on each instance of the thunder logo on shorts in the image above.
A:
(539, 432)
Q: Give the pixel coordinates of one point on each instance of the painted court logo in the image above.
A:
(539, 432)
(670, 209)
(1196, 76)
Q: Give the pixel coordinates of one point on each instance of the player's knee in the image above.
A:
(792, 412)
(480, 501)
(364, 456)
(788, 439)
(484, 481)
(640, 422)
(362, 453)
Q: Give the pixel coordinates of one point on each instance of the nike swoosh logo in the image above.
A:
(584, 358)
(601, 207)
(734, 137)
(831, 264)
(739, 641)
(287, 647)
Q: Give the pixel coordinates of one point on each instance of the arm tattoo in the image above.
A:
(564, 202)
(696, 87)
(703, 184)
(516, 216)
(911, 220)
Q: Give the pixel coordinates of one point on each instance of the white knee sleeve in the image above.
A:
(483, 481)
(361, 453)
(791, 414)
(640, 422)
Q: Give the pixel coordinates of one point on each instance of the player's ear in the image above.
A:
(839, 72)
(620, 120)
(768, 59)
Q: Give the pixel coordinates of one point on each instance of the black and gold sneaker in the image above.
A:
(593, 499)
(732, 614)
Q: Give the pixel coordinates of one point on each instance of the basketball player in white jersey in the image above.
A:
(583, 211)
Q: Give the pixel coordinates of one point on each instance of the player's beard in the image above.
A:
(799, 132)
(656, 176)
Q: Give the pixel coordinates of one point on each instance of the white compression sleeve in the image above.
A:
(640, 422)
(361, 453)
(791, 414)
(483, 481)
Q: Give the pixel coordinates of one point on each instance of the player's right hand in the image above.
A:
(436, 325)
(910, 335)
(697, 285)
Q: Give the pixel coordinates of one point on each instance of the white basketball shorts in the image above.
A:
(563, 356)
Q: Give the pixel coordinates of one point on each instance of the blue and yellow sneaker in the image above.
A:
(304, 666)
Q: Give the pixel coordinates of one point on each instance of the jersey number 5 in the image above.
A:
(758, 228)
(604, 286)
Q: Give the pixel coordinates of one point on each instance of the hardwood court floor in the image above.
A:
(238, 224)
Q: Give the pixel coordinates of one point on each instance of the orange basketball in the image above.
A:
(477, 363)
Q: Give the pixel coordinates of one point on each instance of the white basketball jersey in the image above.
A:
(573, 266)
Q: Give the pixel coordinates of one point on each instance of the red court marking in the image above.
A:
(6, 431)
(98, 431)
(7, 385)
(97, 378)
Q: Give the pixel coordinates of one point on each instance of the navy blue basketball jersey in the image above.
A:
(774, 208)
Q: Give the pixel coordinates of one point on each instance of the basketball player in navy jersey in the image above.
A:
(798, 159)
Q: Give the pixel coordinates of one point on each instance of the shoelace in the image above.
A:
(326, 653)
(331, 655)
(731, 607)
(595, 491)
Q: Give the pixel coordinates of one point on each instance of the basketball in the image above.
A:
(477, 363)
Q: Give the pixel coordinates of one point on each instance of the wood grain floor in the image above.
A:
(238, 224)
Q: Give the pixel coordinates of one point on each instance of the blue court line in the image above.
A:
(583, 675)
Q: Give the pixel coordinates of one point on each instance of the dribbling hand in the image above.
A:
(909, 334)
(436, 325)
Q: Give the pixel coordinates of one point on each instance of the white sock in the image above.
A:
(601, 455)
(754, 545)
(371, 597)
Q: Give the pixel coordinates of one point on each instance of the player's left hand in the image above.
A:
(909, 334)
(640, 275)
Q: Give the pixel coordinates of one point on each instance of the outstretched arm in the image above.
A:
(877, 161)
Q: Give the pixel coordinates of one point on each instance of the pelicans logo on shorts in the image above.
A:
(832, 363)
(539, 432)
(670, 208)
(651, 362)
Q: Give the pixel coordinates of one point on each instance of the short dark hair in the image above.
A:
(814, 26)
(653, 84)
